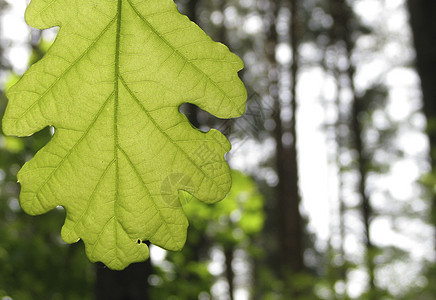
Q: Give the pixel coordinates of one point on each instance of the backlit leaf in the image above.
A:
(111, 86)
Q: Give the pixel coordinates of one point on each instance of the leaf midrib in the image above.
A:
(117, 146)
(116, 99)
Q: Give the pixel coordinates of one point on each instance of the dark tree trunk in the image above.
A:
(423, 25)
(293, 245)
(129, 284)
(297, 263)
(230, 275)
(288, 217)
(221, 36)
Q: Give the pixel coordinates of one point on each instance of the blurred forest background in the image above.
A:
(334, 164)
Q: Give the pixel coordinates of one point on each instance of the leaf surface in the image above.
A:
(111, 86)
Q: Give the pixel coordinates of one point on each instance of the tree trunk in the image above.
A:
(343, 15)
(129, 284)
(288, 216)
(423, 25)
(230, 275)
(293, 221)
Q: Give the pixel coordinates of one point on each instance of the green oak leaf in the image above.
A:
(111, 86)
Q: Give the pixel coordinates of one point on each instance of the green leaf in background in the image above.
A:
(111, 86)
(237, 218)
(231, 225)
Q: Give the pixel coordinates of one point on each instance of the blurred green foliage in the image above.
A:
(227, 226)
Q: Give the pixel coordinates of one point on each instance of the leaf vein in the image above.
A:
(163, 132)
(148, 193)
(148, 24)
(85, 133)
(58, 79)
